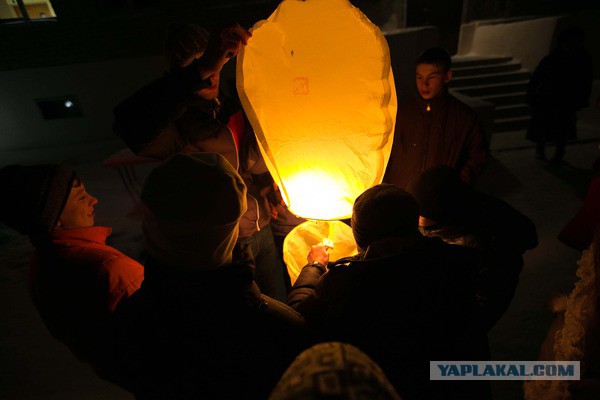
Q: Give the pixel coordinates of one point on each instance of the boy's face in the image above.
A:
(79, 210)
(431, 80)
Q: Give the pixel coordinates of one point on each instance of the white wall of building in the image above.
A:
(528, 41)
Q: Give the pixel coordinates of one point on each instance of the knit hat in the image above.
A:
(192, 204)
(383, 211)
(184, 42)
(442, 196)
(333, 371)
(34, 196)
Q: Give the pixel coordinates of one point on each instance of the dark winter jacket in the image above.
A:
(208, 334)
(404, 302)
(442, 131)
(166, 117)
(501, 235)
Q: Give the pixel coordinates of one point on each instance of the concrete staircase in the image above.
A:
(498, 80)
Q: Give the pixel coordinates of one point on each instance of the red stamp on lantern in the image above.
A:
(300, 86)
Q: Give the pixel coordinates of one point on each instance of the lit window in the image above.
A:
(26, 10)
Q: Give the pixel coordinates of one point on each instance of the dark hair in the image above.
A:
(436, 56)
(383, 211)
(183, 42)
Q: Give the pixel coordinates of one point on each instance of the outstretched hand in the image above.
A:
(319, 254)
(223, 44)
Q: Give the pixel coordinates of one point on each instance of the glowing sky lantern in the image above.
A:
(316, 83)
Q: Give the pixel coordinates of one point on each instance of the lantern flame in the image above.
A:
(317, 194)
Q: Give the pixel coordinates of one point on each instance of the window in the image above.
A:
(26, 10)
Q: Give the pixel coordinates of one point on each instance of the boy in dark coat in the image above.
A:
(404, 299)
(434, 128)
(199, 327)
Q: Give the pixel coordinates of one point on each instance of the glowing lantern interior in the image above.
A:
(312, 233)
(316, 84)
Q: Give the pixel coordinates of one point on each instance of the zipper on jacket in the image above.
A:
(235, 146)
(428, 109)
(257, 213)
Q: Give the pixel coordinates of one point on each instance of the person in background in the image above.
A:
(200, 327)
(185, 111)
(452, 210)
(559, 87)
(77, 282)
(434, 128)
(404, 299)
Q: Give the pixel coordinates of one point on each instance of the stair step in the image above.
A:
(485, 69)
(511, 124)
(512, 111)
(498, 88)
(460, 62)
(489, 79)
(506, 99)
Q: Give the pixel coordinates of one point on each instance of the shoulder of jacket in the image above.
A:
(461, 106)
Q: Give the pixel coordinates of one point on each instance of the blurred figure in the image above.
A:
(560, 85)
(574, 333)
(334, 370)
(77, 282)
(185, 111)
(404, 299)
(453, 211)
(434, 128)
(200, 327)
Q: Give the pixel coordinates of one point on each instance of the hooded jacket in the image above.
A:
(199, 327)
(442, 131)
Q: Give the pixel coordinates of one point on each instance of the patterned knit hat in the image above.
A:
(334, 371)
(35, 196)
(383, 211)
(184, 42)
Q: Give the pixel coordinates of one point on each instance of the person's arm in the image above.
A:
(476, 151)
(141, 118)
(302, 297)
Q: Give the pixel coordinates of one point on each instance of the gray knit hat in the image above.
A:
(383, 211)
(34, 196)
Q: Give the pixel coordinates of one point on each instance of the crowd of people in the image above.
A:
(209, 314)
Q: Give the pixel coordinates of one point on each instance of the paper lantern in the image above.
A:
(316, 83)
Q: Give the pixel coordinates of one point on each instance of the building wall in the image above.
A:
(98, 86)
(527, 41)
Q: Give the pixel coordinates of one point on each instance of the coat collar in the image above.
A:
(92, 234)
(433, 104)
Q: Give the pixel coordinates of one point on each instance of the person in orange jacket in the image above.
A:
(76, 280)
